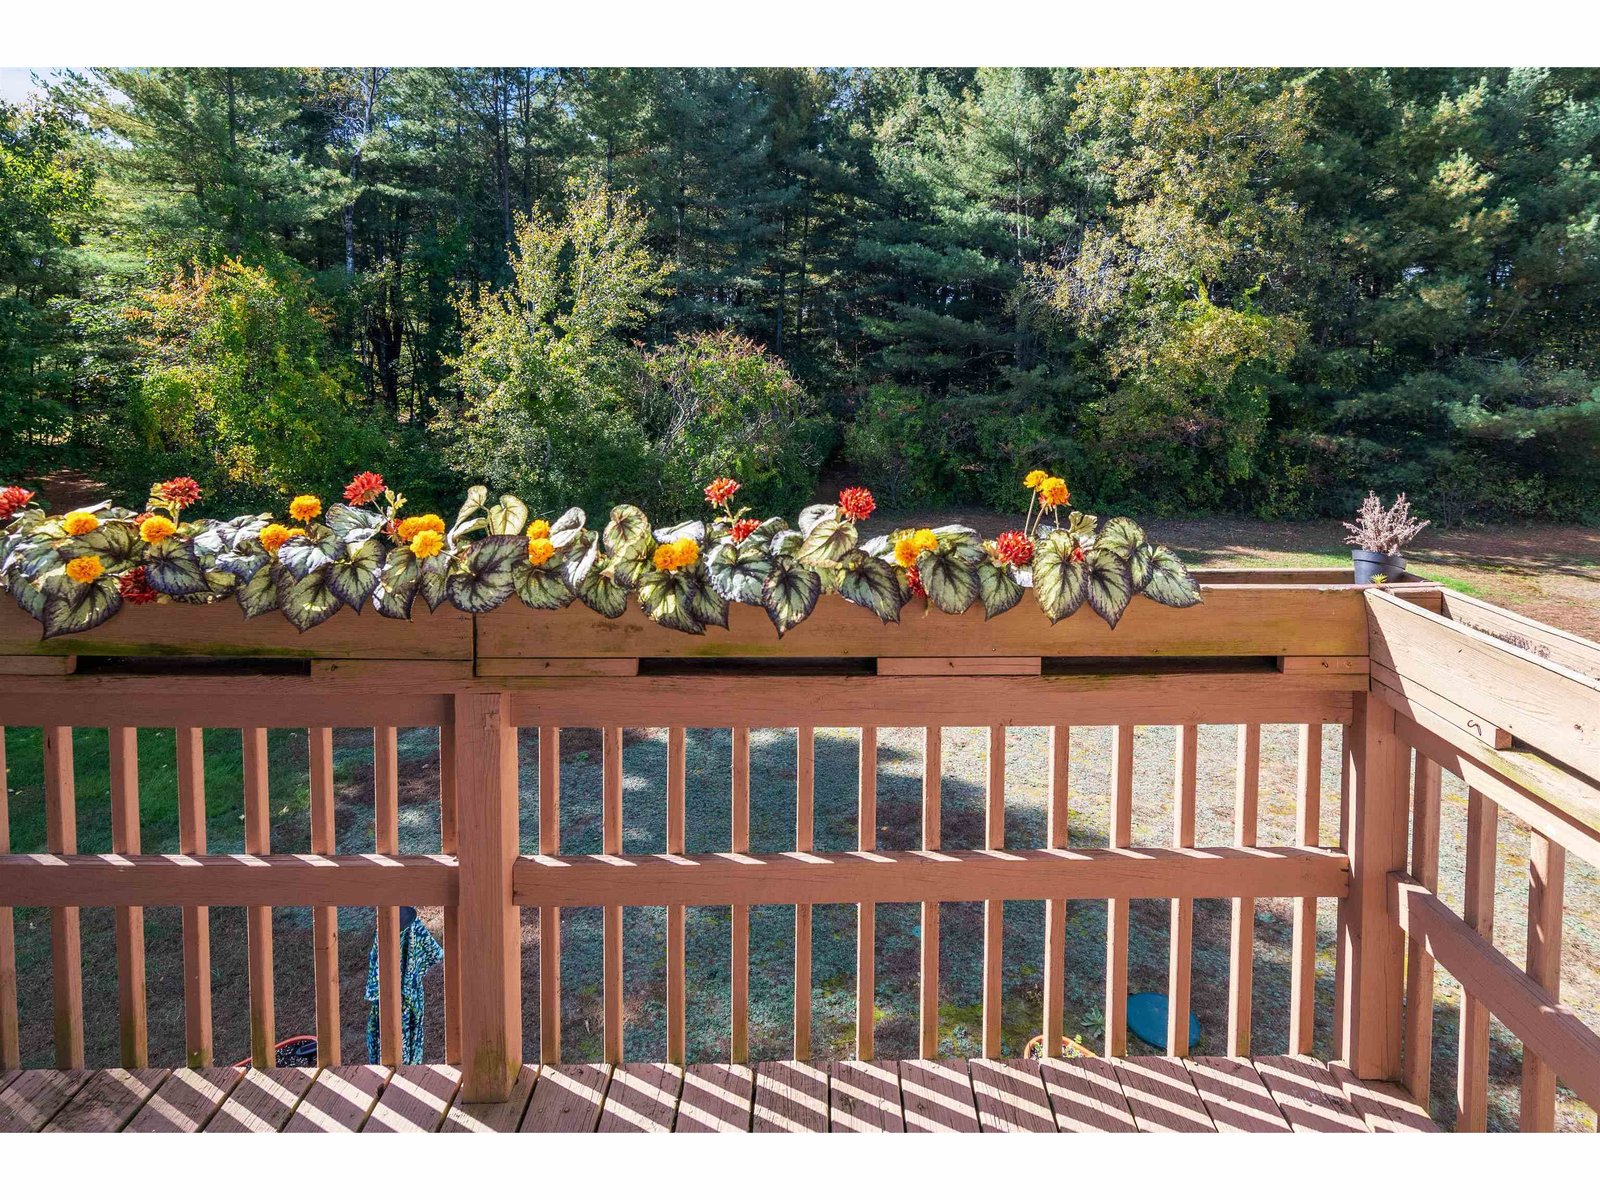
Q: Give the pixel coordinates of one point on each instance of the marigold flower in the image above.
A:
(274, 536)
(135, 587)
(672, 556)
(181, 491)
(305, 508)
(79, 523)
(12, 500)
(1014, 547)
(364, 488)
(721, 490)
(427, 543)
(688, 551)
(1033, 479)
(156, 530)
(910, 547)
(411, 526)
(536, 529)
(540, 550)
(1053, 493)
(85, 569)
(857, 503)
(665, 557)
(743, 528)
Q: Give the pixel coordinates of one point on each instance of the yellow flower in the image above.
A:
(1034, 479)
(1053, 492)
(411, 526)
(427, 543)
(156, 530)
(688, 551)
(539, 529)
(86, 569)
(540, 550)
(274, 536)
(80, 523)
(910, 547)
(666, 557)
(305, 508)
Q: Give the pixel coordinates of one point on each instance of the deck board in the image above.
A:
(716, 1098)
(791, 1097)
(1234, 1095)
(1308, 1095)
(414, 1100)
(864, 1097)
(108, 1101)
(1384, 1107)
(490, 1116)
(1086, 1096)
(34, 1097)
(185, 1101)
(642, 1098)
(567, 1098)
(340, 1099)
(936, 1095)
(1011, 1096)
(263, 1101)
(1161, 1096)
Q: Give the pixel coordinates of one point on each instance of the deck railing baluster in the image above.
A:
(133, 1021)
(1119, 834)
(447, 845)
(10, 1029)
(196, 918)
(1477, 910)
(1241, 947)
(994, 838)
(1547, 873)
(611, 843)
(805, 775)
(1303, 948)
(1055, 911)
(549, 915)
(1180, 956)
(928, 996)
(1417, 1063)
(386, 840)
(324, 918)
(66, 945)
(258, 840)
(739, 950)
(677, 968)
(866, 913)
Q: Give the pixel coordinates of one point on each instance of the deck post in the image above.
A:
(1371, 982)
(487, 841)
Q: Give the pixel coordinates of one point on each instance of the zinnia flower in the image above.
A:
(11, 500)
(364, 488)
(1014, 547)
(274, 536)
(536, 529)
(1077, 552)
(910, 547)
(305, 508)
(156, 530)
(857, 503)
(721, 490)
(135, 587)
(1033, 480)
(540, 550)
(85, 569)
(427, 543)
(79, 523)
(914, 582)
(1053, 493)
(743, 528)
(181, 491)
(411, 526)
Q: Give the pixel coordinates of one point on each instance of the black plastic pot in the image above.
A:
(1370, 562)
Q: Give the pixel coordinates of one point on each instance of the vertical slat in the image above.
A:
(866, 914)
(549, 916)
(452, 924)
(1241, 946)
(1303, 949)
(131, 1006)
(677, 1017)
(491, 962)
(1055, 911)
(1418, 1036)
(1342, 912)
(1547, 872)
(1477, 910)
(66, 946)
(739, 965)
(1120, 833)
(994, 838)
(1180, 957)
(258, 840)
(611, 843)
(386, 840)
(805, 775)
(196, 920)
(324, 918)
(10, 1035)
(932, 786)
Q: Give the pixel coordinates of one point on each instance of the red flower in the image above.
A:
(181, 491)
(1015, 548)
(721, 490)
(743, 528)
(364, 488)
(11, 500)
(857, 503)
(1077, 552)
(136, 589)
(914, 580)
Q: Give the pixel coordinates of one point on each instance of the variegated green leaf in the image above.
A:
(172, 568)
(116, 542)
(738, 570)
(785, 543)
(627, 526)
(433, 582)
(601, 594)
(695, 531)
(1170, 582)
(573, 518)
(259, 594)
(1110, 583)
(345, 520)
(319, 548)
(485, 579)
(477, 497)
(30, 599)
(827, 541)
(789, 593)
(541, 587)
(79, 606)
(242, 566)
(582, 553)
(812, 513)
(354, 576)
(705, 604)
(1059, 584)
(397, 584)
(510, 516)
(1082, 525)
(998, 587)
(307, 602)
(872, 583)
(664, 597)
(1140, 564)
(951, 584)
(1121, 536)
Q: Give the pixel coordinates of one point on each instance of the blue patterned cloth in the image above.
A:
(420, 952)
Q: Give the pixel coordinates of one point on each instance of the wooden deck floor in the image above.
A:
(1201, 1095)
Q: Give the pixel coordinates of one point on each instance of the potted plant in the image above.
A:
(1378, 535)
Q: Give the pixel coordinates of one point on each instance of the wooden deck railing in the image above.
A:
(1293, 648)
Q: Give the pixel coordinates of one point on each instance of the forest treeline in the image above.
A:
(1187, 290)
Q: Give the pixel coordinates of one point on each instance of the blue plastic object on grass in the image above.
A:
(1147, 1020)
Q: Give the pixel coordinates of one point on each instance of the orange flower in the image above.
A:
(910, 547)
(536, 529)
(1053, 493)
(721, 490)
(540, 550)
(857, 503)
(85, 569)
(688, 552)
(1014, 548)
(12, 499)
(79, 523)
(305, 508)
(684, 552)
(274, 536)
(156, 530)
(665, 558)
(743, 528)
(427, 543)
(364, 488)
(1034, 479)
(411, 526)
(181, 491)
